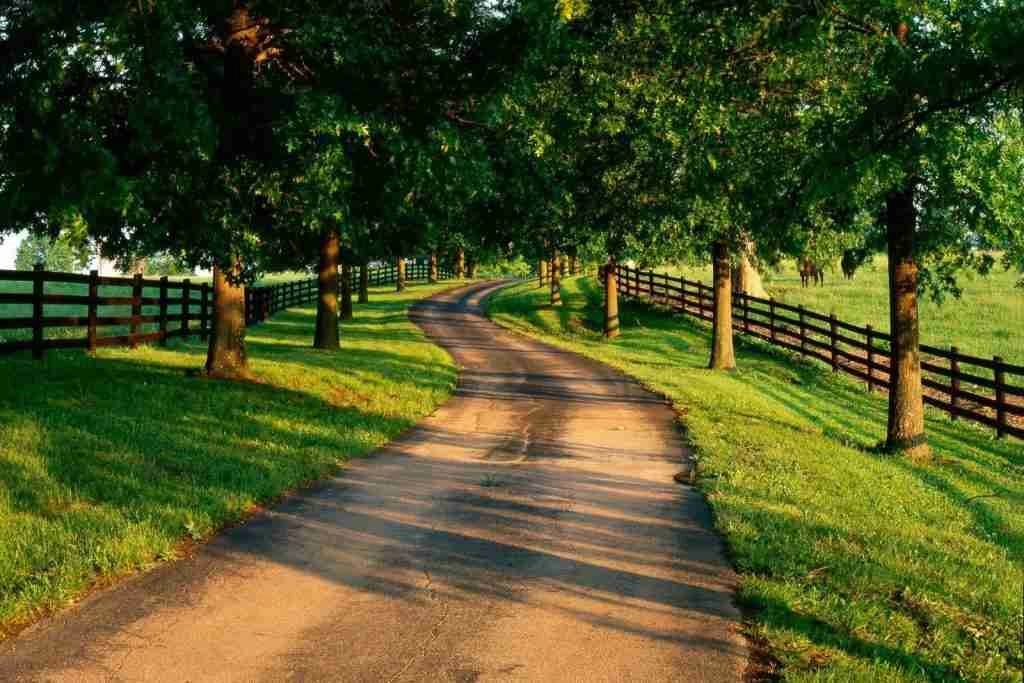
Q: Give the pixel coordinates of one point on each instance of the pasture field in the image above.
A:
(854, 566)
(108, 462)
(988, 319)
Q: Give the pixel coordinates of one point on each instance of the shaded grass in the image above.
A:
(987, 320)
(108, 462)
(857, 566)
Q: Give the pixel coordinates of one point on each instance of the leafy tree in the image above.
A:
(58, 254)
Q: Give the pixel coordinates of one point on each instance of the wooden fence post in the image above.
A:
(186, 298)
(682, 292)
(954, 383)
(204, 311)
(870, 336)
(771, 319)
(650, 285)
(803, 331)
(94, 302)
(133, 334)
(1000, 377)
(163, 311)
(746, 312)
(833, 341)
(37, 311)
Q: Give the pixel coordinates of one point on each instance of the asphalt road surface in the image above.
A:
(530, 530)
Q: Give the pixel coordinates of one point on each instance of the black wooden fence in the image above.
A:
(128, 311)
(989, 391)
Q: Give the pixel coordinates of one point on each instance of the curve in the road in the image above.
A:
(529, 530)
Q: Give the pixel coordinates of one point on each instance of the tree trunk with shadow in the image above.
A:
(346, 291)
(400, 269)
(326, 336)
(905, 433)
(556, 278)
(460, 264)
(364, 282)
(611, 301)
(225, 354)
(433, 268)
(723, 356)
(542, 272)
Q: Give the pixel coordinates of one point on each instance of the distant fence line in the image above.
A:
(157, 309)
(858, 351)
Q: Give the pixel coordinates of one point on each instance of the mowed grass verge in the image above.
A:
(855, 565)
(108, 462)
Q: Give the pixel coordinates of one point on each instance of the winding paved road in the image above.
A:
(529, 530)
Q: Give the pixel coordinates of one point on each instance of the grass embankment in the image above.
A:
(988, 320)
(858, 566)
(108, 462)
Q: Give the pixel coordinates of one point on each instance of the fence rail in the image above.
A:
(129, 311)
(114, 311)
(985, 390)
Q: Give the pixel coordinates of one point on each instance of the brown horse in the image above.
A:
(809, 270)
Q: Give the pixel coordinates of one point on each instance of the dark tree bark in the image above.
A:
(611, 301)
(556, 279)
(433, 268)
(364, 282)
(400, 269)
(542, 272)
(346, 291)
(574, 264)
(471, 265)
(722, 354)
(906, 403)
(460, 264)
(225, 355)
(326, 336)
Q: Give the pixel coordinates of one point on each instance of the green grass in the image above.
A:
(988, 320)
(855, 566)
(108, 462)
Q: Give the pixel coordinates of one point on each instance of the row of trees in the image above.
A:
(245, 135)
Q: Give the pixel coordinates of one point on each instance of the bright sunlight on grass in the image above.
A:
(855, 565)
(987, 320)
(108, 462)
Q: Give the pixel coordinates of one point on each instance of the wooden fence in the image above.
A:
(128, 311)
(263, 302)
(989, 391)
(113, 311)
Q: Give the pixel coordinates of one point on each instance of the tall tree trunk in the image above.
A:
(460, 264)
(225, 355)
(542, 272)
(745, 278)
(364, 282)
(433, 268)
(574, 264)
(471, 265)
(556, 279)
(906, 403)
(326, 336)
(722, 354)
(400, 270)
(346, 291)
(611, 301)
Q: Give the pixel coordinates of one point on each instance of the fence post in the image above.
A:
(650, 284)
(746, 312)
(803, 332)
(37, 311)
(870, 336)
(204, 311)
(954, 383)
(1000, 377)
(682, 293)
(94, 302)
(771, 319)
(186, 298)
(133, 340)
(833, 341)
(163, 311)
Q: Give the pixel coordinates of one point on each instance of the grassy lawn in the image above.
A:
(855, 566)
(988, 320)
(108, 462)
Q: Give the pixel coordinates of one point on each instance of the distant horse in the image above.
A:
(809, 270)
(852, 260)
